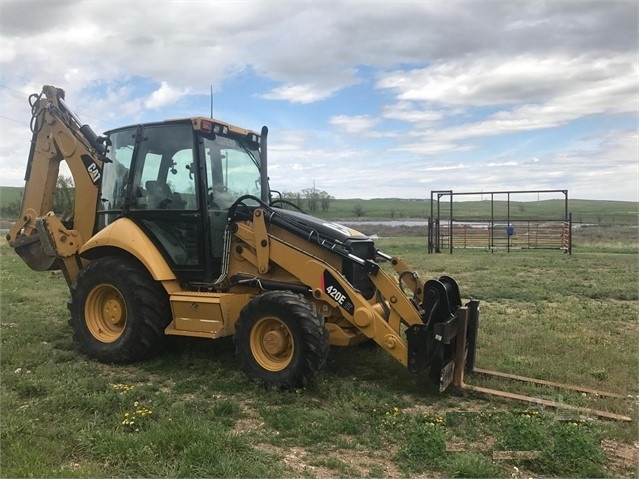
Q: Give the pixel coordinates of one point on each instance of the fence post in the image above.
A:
(570, 233)
(430, 235)
(566, 240)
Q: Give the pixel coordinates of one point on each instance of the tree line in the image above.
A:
(311, 198)
(63, 200)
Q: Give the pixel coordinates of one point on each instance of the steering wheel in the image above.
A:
(210, 201)
(219, 188)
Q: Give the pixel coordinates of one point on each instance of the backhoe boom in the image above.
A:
(41, 239)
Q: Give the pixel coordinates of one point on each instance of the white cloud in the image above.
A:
(424, 145)
(459, 166)
(450, 78)
(408, 111)
(354, 124)
(534, 92)
(299, 93)
(563, 90)
(165, 95)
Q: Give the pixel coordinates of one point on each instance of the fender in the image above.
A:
(124, 234)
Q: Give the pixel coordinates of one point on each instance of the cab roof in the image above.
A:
(200, 123)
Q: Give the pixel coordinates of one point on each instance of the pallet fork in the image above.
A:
(453, 372)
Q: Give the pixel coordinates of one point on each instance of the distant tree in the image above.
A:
(12, 209)
(63, 201)
(293, 197)
(64, 198)
(358, 210)
(325, 200)
(312, 197)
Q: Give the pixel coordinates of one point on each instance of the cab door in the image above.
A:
(164, 196)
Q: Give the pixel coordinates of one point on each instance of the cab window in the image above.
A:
(115, 172)
(164, 176)
(232, 171)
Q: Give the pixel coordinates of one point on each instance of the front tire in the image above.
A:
(280, 340)
(118, 311)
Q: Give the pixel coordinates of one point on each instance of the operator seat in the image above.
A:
(159, 195)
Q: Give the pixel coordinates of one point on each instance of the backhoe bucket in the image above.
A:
(33, 252)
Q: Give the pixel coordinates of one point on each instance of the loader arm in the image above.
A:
(38, 236)
(418, 331)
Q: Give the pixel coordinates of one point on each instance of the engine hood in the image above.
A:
(325, 228)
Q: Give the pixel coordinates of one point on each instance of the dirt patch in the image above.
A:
(461, 406)
(251, 421)
(167, 387)
(296, 458)
(363, 462)
(357, 463)
(622, 458)
(245, 425)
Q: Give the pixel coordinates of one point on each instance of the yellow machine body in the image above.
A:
(165, 241)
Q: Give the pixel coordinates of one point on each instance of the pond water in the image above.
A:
(385, 222)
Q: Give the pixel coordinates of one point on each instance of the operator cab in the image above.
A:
(176, 180)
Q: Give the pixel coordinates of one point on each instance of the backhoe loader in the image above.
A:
(175, 231)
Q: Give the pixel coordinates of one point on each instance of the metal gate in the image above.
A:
(446, 232)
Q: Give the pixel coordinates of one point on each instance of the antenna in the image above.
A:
(211, 101)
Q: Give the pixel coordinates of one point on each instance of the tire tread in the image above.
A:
(151, 305)
(314, 338)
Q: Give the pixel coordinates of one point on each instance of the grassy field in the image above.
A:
(583, 211)
(192, 413)
(9, 194)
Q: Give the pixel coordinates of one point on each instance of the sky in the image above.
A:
(363, 99)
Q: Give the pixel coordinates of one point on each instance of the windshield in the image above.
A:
(232, 170)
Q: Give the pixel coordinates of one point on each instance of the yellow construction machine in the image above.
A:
(176, 232)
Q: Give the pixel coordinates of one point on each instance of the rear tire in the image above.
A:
(280, 340)
(118, 311)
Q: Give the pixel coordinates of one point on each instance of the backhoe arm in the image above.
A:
(38, 236)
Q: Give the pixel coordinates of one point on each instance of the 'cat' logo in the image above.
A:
(92, 169)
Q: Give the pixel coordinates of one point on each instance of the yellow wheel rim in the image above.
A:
(272, 344)
(105, 313)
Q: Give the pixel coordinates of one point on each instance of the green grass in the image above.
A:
(9, 194)
(192, 413)
(583, 211)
